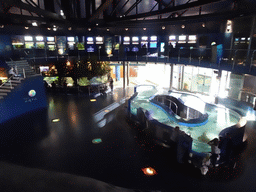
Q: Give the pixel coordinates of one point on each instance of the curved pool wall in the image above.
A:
(157, 117)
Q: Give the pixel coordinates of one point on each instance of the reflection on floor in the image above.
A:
(62, 155)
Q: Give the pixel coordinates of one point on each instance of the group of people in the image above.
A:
(221, 153)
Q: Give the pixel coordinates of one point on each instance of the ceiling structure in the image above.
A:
(119, 16)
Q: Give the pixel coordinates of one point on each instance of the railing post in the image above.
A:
(234, 60)
(252, 59)
(24, 74)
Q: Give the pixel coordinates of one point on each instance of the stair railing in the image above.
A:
(24, 73)
(8, 80)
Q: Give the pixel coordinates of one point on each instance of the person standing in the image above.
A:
(111, 81)
(215, 151)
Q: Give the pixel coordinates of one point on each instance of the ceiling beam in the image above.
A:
(36, 10)
(100, 9)
(180, 20)
(168, 10)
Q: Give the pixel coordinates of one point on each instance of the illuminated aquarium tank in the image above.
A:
(199, 120)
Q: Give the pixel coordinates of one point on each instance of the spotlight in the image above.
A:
(89, 29)
(203, 24)
(2, 26)
(163, 27)
(107, 29)
(70, 28)
(97, 24)
(48, 28)
(34, 24)
(126, 29)
(144, 29)
(182, 26)
(26, 27)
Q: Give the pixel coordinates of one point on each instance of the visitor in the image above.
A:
(225, 146)
(175, 134)
(53, 86)
(12, 73)
(111, 81)
(215, 151)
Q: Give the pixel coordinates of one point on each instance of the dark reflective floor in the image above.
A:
(66, 146)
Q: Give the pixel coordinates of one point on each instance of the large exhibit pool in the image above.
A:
(219, 117)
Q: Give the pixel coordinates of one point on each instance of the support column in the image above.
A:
(250, 42)
(123, 74)
(171, 77)
(128, 67)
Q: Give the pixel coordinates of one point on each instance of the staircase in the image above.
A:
(21, 66)
(7, 87)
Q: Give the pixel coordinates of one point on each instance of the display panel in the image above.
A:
(40, 45)
(71, 39)
(144, 44)
(90, 49)
(144, 38)
(29, 45)
(39, 38)
(153, 38)
(126, 40)
(28, 38)
(153, 45)
(135, 40)
(99, 40)
(172, 38)
(192, 39)
(162, 47)
(89, 40)
(18, 45)
(51, 47)
(182, 39)
(50, 39)
(80, 46)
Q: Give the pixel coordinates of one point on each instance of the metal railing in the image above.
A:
(181, 55)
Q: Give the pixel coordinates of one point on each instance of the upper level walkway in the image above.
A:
(234, 60)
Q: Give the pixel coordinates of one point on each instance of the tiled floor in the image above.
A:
(41, 155)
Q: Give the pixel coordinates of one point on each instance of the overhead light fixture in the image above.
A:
(126, 29)
(26, 27)
(144, 29)
(34, 24)
(163, 27)
(70, 28)
(107, 29)
(54, 28)
(61, 13)
(48, 28)
(203, 24)
(89, 29)
(182, 26)
(97, 24)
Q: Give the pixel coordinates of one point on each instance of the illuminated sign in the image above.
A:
(50, 39)
(144, 38)
(71, 39)
(39, 38)
(172, 38)
(28, 38)
(32, 93)
(153, 38)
